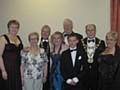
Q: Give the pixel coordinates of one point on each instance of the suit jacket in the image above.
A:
(91, 75)
(69, 71)
(100, 46)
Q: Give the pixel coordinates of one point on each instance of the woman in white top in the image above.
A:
(34, 64)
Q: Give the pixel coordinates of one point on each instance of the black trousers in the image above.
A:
(91, 80)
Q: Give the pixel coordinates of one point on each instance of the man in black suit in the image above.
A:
(68, 29)
(93, 47)
(73, 65)
(44, 43)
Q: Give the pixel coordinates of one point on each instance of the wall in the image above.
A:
(33, 14)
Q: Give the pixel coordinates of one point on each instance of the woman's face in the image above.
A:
(111, 42)
(13, 29)
(33, 40)
(45, 33)
(57, 40)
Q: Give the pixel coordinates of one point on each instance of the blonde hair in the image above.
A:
(112, 34)
(57, 33)
(46, 26)
(68, 20)
(33, 33)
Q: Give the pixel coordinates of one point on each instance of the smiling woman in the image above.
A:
(109, 64)
(111, 39)
(34, 64)
(10, 47)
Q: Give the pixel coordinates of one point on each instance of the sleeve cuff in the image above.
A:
(75, 79)
(69, 81)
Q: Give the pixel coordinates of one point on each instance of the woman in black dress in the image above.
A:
(10, 47)
(109, 64)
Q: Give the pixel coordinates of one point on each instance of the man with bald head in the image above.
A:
(68, 29)
(93, 46)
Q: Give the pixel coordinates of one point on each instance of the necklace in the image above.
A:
(13, 39)
(90, 54)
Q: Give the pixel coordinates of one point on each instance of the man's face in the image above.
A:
(68, 26)
(90, 31)
(72, 42)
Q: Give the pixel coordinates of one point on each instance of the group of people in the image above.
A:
(61, 61)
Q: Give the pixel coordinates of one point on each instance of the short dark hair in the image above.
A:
(13, 22)
(72, 35)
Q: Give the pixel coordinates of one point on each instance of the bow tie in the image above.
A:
(44, 40)
(73, 50)
(65, 35)
(92, 40)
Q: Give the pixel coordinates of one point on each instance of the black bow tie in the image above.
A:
(73, 50)
(44, 40)
(92, 40)
(65, 35)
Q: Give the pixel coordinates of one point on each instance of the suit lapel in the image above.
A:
(76, 59)
(84, 42)
(70, 58)
(97, 43)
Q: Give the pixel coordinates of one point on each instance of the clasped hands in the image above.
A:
(72, 81)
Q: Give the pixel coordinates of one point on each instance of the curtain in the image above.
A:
(115, 17)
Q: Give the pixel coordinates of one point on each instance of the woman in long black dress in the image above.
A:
(10, 47)
(109, 64)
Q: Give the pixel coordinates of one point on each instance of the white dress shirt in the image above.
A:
(73, 56)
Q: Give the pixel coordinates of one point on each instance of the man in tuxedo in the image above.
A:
(73, 65)
(93, 46)
(68, 29)
(44, 43)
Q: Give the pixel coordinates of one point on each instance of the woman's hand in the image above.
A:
(44, 79)
(22, 78)
(4, 75)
